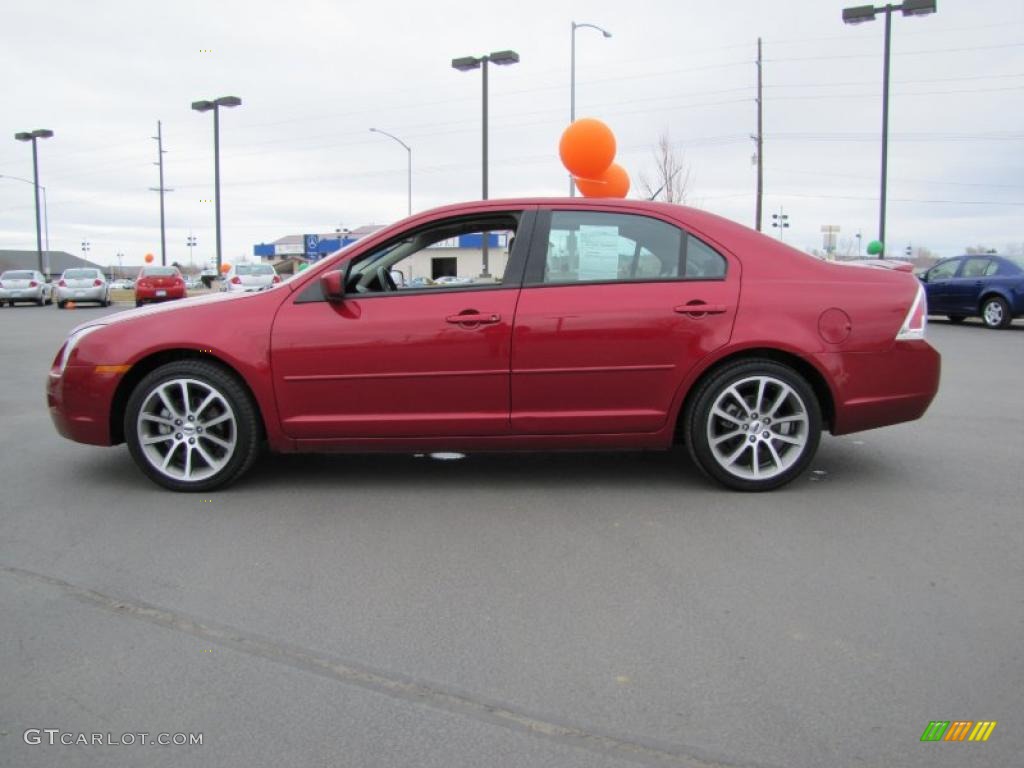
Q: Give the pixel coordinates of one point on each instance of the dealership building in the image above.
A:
(454, 257)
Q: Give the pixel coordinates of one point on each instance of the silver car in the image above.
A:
(25, 285)
(249, 277)
(83, 284)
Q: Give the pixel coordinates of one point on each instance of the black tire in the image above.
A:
(138, 303)
(956, 319)
(60, 304)
(245, 429)
(41, 301)
(793, 426)
(995, 313)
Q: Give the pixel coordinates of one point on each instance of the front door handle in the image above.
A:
(698, 308)
(472, 317)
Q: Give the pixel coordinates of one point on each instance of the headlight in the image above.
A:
(71, 343)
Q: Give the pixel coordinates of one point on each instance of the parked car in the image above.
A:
(249, 277)
(83, 285)
(159, 284)
(987, 286)
(123, 285)
(618, 324)
(25, 285)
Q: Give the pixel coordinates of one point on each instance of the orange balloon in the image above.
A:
(149, 258)
(587, 148)
(225, 268)
(614, 182)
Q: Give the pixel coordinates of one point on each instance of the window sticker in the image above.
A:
(598, 249)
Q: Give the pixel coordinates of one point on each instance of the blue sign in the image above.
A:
(312, 243)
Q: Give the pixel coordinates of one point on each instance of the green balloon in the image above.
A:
(303, 266)
(874, 247)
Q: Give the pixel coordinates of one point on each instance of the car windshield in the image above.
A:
(254, 269)
(159, 271)
(78, 274)
(21, 274)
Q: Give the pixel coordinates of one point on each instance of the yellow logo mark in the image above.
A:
(982, 730)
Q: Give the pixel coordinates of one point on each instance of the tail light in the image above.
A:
(236, 280)
(63, 283)
(32, 284)
(917, 318)
(97, 282)
(277, 279)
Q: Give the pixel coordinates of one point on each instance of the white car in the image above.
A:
(25, 285)
(83, 285)
(249, 277)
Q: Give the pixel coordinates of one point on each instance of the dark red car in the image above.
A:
(606, 324)
(159, 284)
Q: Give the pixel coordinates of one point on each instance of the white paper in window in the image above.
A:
(598, 248)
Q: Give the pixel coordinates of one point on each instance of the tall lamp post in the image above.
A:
(407, 149)
(465, 64)
(46, 221)
(215, 105)
(191, 242)
(857, 15)
(572, 85)
(40, 133)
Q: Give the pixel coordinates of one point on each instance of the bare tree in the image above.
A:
(671, 178)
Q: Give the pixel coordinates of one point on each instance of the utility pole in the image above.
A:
(161, 189)
(191, 243)
(760, 140)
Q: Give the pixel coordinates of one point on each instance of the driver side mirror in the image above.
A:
(923, 277)
(332, 284)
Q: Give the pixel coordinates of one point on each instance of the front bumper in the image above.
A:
(79, 401)
(876, 389)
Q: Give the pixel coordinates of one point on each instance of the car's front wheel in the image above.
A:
(995, 312)
(192, 426)
(754, 425)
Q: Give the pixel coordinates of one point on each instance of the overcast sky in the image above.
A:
(315, 75)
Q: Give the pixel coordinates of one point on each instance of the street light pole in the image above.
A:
(206, 106)
(40, 133)
(465, 64)
(409, 150)
(857, 15)
(572, 85)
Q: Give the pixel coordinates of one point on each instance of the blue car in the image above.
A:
(986, 286)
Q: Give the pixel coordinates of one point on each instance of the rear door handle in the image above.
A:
(470, 317)
(700, 308)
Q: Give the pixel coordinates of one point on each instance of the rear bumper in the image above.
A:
(79, 403)
(87, 294)
(150, 294)
(877, 389)
(21, 294)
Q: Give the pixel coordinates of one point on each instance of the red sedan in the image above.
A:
(159, 284)
(585, 324)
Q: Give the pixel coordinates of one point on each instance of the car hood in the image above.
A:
(179, 305)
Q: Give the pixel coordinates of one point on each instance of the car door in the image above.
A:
(966, 287)
(614, 311)
(405, 362)
(937, 285)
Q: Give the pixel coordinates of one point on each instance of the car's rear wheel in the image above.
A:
(956, 319)
(995, 312)
(754, 425)
(191, 426)
(60, 304)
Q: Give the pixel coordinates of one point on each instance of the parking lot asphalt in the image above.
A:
(569, 609)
